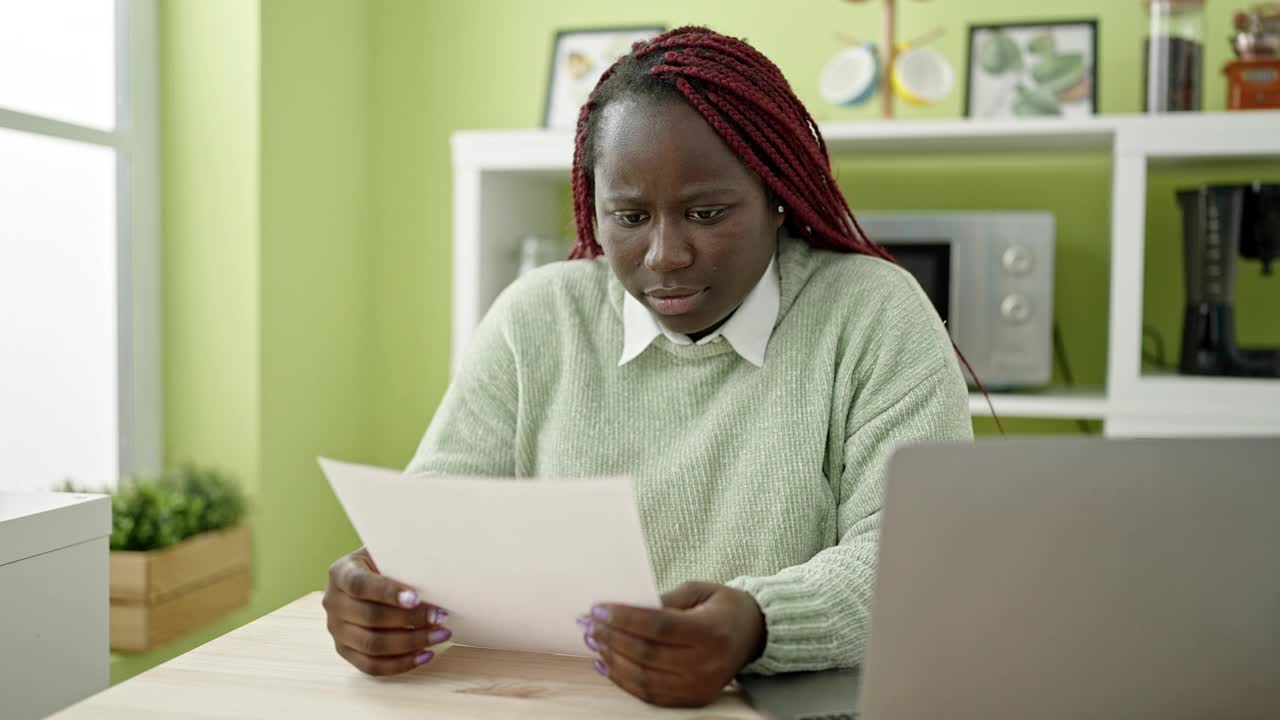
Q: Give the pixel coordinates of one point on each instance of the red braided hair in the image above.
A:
(744, 97)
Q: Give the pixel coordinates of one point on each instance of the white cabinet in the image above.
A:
(512, 183)
(54, 601)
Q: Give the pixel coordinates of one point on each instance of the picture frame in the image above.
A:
(578, 58)
(1032, 69)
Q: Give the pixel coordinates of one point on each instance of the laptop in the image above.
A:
(1067, 578)
(823, 695)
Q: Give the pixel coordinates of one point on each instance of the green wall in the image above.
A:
(210, 232)
(315, 280)
(266, 280)
(307, 214)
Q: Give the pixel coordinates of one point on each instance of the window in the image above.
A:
(79, 330)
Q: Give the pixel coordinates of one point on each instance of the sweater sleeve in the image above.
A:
(473, 430)
(817, 613)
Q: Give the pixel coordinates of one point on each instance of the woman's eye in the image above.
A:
(629, 219)
(706, 214)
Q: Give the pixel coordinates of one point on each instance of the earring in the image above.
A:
(781, 209)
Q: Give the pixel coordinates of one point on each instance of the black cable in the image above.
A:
(1064, 367)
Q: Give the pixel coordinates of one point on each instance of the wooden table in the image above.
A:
(283, 665)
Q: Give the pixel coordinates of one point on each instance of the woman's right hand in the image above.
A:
(379, 625)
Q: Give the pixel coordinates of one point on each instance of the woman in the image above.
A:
(741, 349)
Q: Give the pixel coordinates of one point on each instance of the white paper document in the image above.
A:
(514, 561)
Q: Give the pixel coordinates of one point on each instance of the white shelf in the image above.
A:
(511, 183)
(1193, 136)
(972, 136)
(1164, 405)
(1245, 399)
(1064, 406)
(1162, 136)
(519, 151)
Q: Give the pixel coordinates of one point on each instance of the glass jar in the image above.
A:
(1174, 61)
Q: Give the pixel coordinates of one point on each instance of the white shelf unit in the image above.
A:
(508, 184)
(1084, 405)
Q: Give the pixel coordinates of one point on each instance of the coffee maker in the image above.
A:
(1220, 222)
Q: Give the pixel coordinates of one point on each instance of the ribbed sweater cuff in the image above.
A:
(801, 635)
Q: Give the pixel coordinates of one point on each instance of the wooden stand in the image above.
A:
(161, 595)
(888, 54)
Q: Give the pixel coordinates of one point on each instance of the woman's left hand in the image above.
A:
(684, 654)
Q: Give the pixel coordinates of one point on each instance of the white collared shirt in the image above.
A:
(748, 330)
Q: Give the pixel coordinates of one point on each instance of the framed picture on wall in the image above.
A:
(578, 59)
(1041, 69)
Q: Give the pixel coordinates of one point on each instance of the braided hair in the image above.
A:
(744, 97)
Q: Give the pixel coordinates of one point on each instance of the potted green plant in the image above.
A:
(180, 555)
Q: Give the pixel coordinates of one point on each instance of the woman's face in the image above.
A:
(687, 228)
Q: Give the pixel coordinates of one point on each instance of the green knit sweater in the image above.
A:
(767, 479)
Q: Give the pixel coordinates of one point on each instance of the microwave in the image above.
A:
(990, 277)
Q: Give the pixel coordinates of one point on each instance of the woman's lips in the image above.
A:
(674, 301)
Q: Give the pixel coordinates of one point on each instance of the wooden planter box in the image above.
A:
(160, 595)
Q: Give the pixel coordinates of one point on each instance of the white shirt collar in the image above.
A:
(748, 330)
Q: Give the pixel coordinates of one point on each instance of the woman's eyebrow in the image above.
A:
(621, 197)
(689, 193)
(699, 191)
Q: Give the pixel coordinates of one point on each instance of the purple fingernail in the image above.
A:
(585, 624)
(408, 599)
(439, 615)
(600, 612)
(423, 657)
(591, 643)
(435, 637)
(598, 664)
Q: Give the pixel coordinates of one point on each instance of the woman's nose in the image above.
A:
(669, 249)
